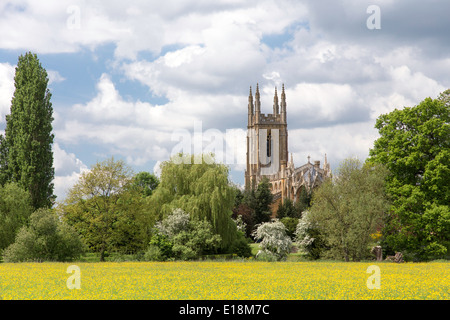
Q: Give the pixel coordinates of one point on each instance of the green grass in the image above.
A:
(228, 280)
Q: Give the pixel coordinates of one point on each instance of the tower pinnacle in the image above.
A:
(283, 105)
(250, 102)
(250, 107)
(275, 103)
(257, 102)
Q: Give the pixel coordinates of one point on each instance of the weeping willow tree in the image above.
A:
(201, 188)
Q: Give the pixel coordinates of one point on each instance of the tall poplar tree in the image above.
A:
(27, 156)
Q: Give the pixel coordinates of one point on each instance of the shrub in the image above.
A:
(15, 210)
(308, 237)
(176, 222)
(241, 246)
(45, 239)
(163, 244)
(196, 241)
(291, 225)
(180, 237)
(153, 253)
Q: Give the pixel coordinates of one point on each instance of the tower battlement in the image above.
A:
(269, 118)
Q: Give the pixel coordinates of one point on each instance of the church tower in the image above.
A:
(267, 140)
(267, 153)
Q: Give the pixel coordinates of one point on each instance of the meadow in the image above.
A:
(229, 280)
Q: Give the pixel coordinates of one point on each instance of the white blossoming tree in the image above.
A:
(179, 236)
(275, 243)
(301, 233)
(308, 238)
(176, 222)
(240, 224)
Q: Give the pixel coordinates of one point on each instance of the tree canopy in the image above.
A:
(45, 239)
(350, 207)
(254, 204)
(26, 155)
(15, 210)
(414, 145)
(201, 189)
(182, 237)
(104, 208)
(145, 182)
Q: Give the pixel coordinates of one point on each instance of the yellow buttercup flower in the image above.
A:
(224, 280)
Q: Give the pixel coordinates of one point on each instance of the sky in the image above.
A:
(139, 80)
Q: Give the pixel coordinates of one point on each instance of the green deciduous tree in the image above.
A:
(197, 240)
(414, 145)
(253, 205)
(308, 237)
(26, 155)
(104, 208)
(288, 208)
(45, 239)
(291, 225)
(15, 210)
(349, 208)
(444, 97)
(202, 189)
(180, 236)
(145, 182)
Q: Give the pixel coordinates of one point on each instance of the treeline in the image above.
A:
(111, 210)
(399, 198)
(414, 146)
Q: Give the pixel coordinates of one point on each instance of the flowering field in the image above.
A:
(223, 280)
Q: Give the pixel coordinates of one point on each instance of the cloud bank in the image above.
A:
(162, 67)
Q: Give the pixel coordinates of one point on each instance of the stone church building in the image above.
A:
(268, 156)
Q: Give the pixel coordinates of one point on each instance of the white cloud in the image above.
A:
(142, 132)
(54, 77)
(157, 168)
(177, 58)
(338, 142)
(321, 104)
(202, 56)
(56, 26)
(7, 72)
(414, 85)
(227, 52)
(68, 169)
(66, 163)
(134, 129)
